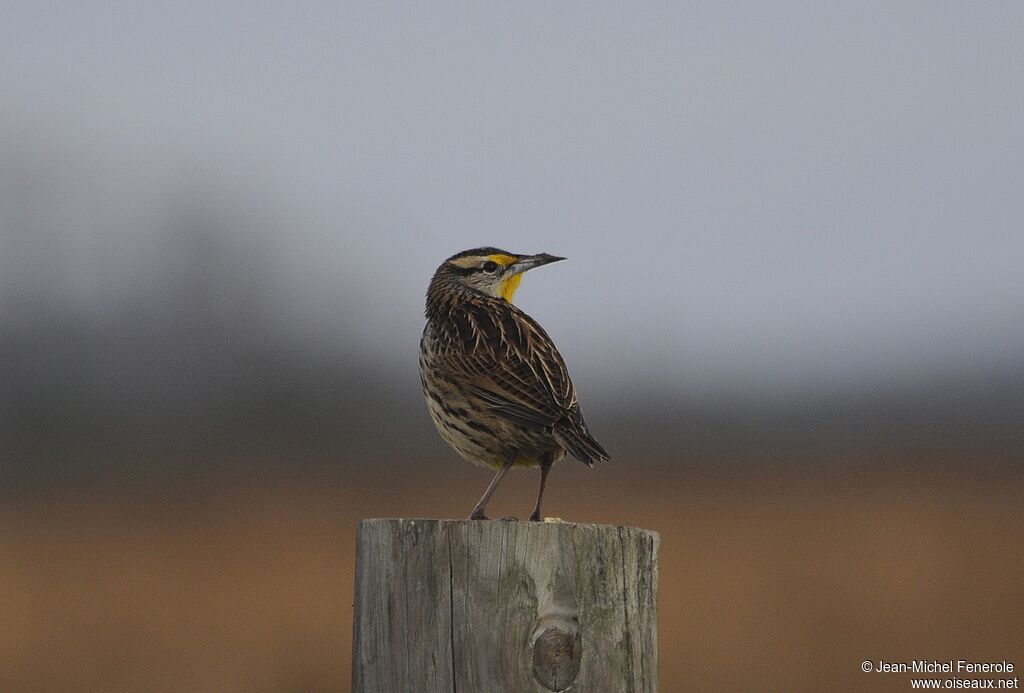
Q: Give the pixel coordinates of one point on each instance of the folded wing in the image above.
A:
(512, 367)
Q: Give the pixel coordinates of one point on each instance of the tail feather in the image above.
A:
(580, 444)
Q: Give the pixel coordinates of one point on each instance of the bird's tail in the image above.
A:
(576, 439)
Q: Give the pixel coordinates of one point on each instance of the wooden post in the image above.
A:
(492, 606)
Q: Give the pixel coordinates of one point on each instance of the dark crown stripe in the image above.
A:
(480, 251)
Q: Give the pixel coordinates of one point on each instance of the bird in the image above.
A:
(496, 387)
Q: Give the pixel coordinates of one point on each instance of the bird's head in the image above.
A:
(491, 271)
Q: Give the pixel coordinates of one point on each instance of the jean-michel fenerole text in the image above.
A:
(930, 666)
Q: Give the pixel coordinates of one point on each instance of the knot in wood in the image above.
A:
(556, 658)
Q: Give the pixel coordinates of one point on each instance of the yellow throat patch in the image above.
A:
(509, 286)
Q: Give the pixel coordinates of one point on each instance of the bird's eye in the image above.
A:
(490, 267)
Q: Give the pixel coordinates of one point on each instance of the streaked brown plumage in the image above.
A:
(496, 387)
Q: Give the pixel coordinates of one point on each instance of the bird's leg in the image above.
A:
(478, 511)
(545, 467)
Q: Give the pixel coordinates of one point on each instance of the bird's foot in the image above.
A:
(477, 515)
(510, 519)
(536, 517)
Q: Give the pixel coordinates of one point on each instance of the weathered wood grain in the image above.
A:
(493, 606)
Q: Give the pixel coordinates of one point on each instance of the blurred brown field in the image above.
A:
(768, 581)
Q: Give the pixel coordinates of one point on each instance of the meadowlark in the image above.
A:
(496, 386)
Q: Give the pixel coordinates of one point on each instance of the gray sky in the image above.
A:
(751, 196)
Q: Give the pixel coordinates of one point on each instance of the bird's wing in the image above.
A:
(511, 365)
(512, 369)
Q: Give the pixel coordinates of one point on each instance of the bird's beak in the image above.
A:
(528, 262)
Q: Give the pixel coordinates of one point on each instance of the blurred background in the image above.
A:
(793, 309)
